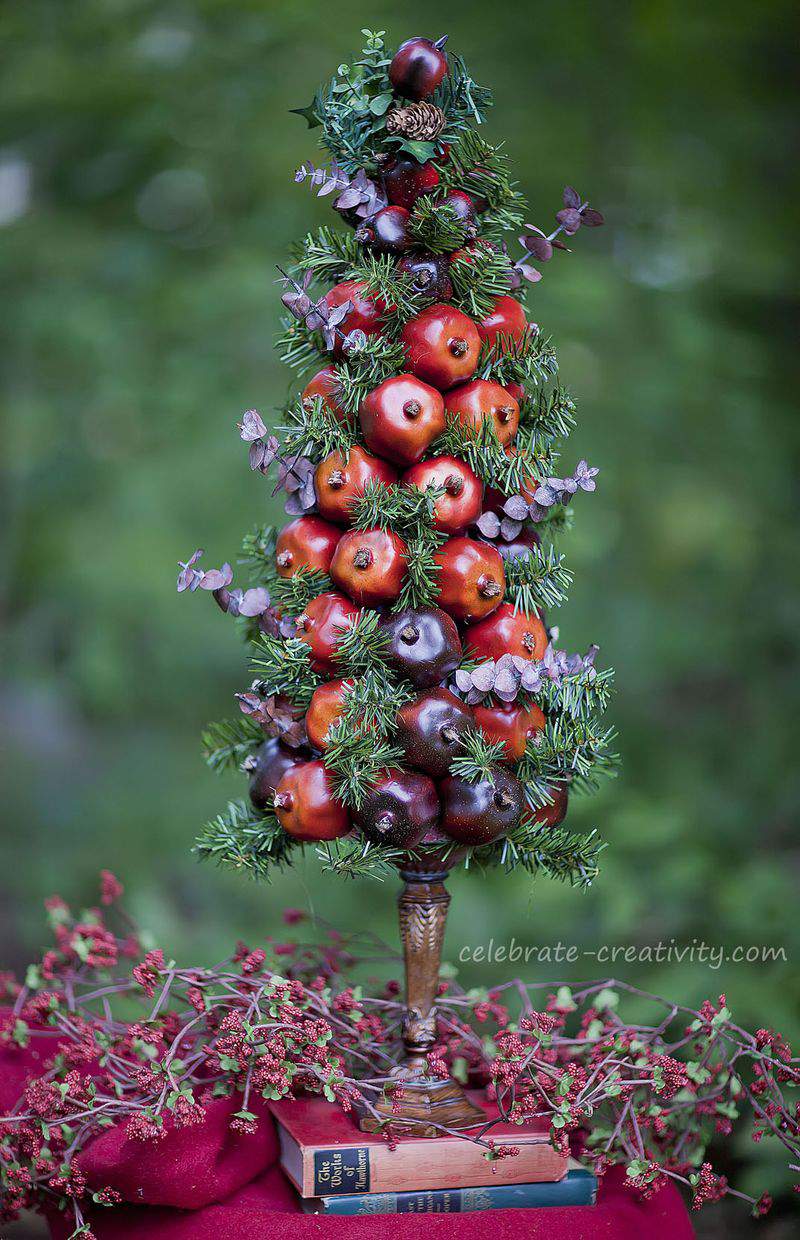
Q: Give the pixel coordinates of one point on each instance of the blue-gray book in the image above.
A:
(578, 1188)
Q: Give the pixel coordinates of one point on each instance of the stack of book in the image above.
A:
(337, 1169)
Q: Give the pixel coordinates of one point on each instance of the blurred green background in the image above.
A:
(146, 195)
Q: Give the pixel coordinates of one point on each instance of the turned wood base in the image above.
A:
(427, 1101)
(426, 1105)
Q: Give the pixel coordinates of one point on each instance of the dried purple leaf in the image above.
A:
(592, 218)
(489, 524)
(251, 426)
(571, 197)
(516, 507)
(569, 219)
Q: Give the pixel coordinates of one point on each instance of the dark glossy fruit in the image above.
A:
(370, 565)
(471, 579)
(266, 767)
(401, 418)
(400, 808)
(461, 503)
(442, 346)
(418, 67)
(429, 730)
(424, 644)
(365, 313)
(339, 481)
(510, 726)
(306, 807)
(480, 401)
(322, 625)
(308, 542)
(428, 274)
(406, 180)
(506, 318)
(324, 709)
(325, 383)
(463, 208)
(387, 231)
(507, 633)
(551, 815)
(476, 814)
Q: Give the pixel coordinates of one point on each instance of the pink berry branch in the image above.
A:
(282, 1019)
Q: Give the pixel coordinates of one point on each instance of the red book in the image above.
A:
(324, 1152)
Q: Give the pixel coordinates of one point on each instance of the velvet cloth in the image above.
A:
(206, 1182)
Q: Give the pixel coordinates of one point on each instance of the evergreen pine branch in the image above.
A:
(245, 840)
(372, 701)
(298, 346)
(420, 584)
(356, 757)
(478, 758)
(537, 580)
(462, 100)
(409, 512)
(579, 696)
(377, 358)
(283, 666)
(479, 279)
(313, 430)
(363, 647)
(529, 361)
(485, 455)
(355, 857)
(296, 592)
(227, 743)
(435, 226)
(385, 283)
(566, 749)
(565, 855)
(329, 253)
(551, 414)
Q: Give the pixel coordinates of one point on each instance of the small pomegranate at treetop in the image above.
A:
(481, 401)
(340, 480)
(507, 632)
(510, 726)
(307, 542)
(401, 417)
(370, 565)
(306, 807)
(471, 580)
(442, 346)
(322, 624)
(463, 491)
(418, 67)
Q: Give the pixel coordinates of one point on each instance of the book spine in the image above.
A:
(573, 1190)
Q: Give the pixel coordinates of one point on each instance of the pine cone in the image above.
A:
(421, 121)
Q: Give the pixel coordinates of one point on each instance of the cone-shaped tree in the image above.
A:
(407, 693)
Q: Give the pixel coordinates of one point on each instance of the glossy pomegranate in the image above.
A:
(506, 318)
(481, 401)
(370, 565)
(266, 767)
(505, 632)
(306, 807)
(479, 813)
(442, 346)
(471, 578)
(307, 542)
(418, 67)
(387, 232)
(340, 480)
(462, 501)
(428, 274)
(325, 708)
(406, 180)
(400, 808)
(430, 729)
(551, 815)
(325, 383)
(401, 418)
(424, 644)
(365, 313)
(322, 624)
(510, 725)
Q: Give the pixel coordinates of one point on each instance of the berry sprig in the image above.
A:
(407, 690)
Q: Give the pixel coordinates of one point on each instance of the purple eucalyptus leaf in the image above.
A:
(355, 341)
(510, 529)
(516, 507)
(254, 601)
(592, 218)
(463, 680)
(569, 219)
(489, 524)
(539, 247)
(251, 427)
(571, 197)
(528, 273)
(483, 676)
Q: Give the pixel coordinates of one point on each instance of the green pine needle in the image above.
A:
(537, 580)
(242, 839)
(227, 743)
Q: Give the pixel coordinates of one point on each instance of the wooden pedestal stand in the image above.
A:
(423, 905)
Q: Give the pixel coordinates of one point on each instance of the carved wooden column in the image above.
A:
(423, 904)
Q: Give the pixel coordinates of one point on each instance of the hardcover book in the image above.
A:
(324, 1154)
(578, 1188)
